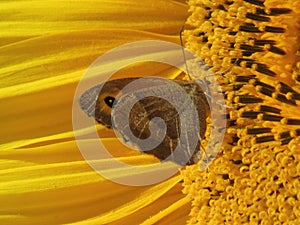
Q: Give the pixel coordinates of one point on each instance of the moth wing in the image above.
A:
(88, 99)
(145, 110)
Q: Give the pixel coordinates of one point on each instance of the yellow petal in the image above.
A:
(54, 60)
(44, 98)
(152, 194)
(27, 19)
(166, 212)
(47, 47)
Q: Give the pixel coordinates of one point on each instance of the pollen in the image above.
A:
(255, 178)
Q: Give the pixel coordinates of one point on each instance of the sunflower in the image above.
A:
(46, 46)
(255, 178)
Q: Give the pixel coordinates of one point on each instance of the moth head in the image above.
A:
(105, 102)
(98, 101)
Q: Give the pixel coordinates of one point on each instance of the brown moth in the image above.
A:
(99, 101)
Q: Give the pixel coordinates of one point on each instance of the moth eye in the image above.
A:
(109, 100)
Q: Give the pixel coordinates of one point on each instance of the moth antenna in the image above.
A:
(206, 156)
(221, 104)
(200, 83)
(229, 68)
(183, 53)
(206, 159)
(222, 73)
